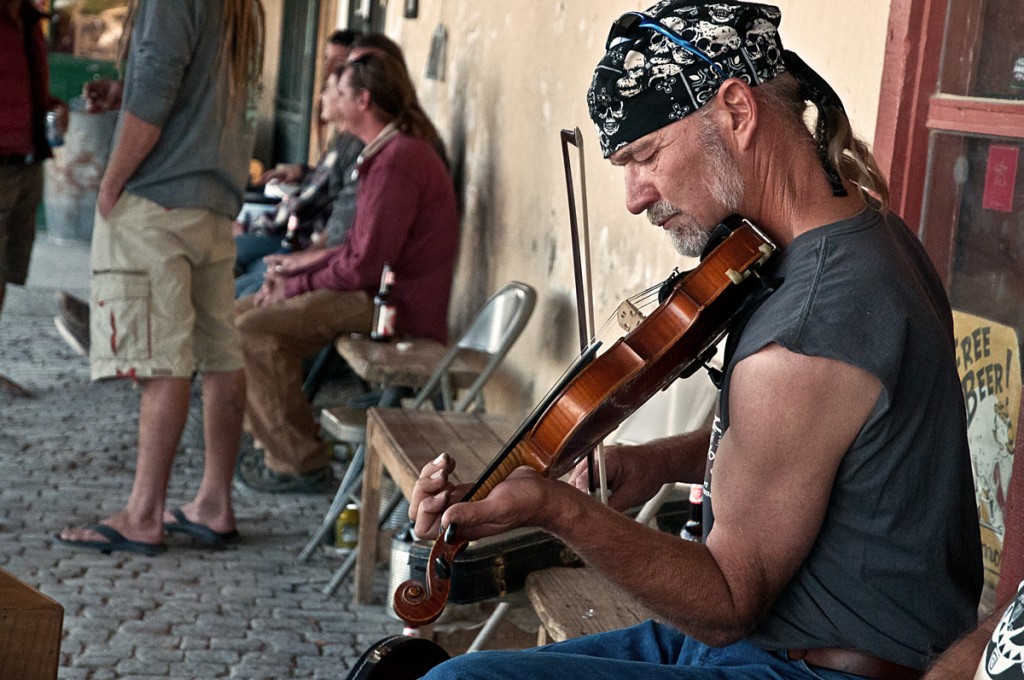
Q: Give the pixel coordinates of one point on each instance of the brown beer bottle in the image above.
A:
(693, 530)
(383, 328)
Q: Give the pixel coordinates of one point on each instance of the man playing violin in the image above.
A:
(841, 533)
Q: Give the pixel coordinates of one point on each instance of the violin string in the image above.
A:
(645, 294)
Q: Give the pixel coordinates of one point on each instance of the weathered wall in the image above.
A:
(271, 61)
(516, 74)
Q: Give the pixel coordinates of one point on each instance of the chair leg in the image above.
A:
(350, 561)
(496, 617)
(324, 362)
(353, 476)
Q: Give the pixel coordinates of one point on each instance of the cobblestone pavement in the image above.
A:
(67, 457)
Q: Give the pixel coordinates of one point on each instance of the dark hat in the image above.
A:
(664, 63)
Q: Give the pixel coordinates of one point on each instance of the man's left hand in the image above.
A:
(523, 499)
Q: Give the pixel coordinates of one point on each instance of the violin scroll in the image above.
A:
(419, 604)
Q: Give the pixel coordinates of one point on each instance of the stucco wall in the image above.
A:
(516, 74)
(271, 62)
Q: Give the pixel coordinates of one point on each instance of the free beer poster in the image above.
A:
(988, 360)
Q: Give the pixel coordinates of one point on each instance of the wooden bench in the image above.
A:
(402, 441)
(407, 363)
(573, 602)
(30, 631)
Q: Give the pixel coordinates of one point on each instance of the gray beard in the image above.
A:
(689, 237)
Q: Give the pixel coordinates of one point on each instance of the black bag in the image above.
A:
(488, 568)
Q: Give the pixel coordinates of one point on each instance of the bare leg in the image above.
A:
(223, 408)
(162, 413)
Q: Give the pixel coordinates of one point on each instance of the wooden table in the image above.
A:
(402, 441)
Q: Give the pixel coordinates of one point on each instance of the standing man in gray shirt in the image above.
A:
(162, 254)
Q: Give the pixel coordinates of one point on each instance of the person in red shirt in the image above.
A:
(25, 81)
(407, 217)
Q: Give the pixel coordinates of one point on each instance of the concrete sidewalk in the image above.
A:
(67, 457)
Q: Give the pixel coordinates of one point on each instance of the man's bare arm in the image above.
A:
(766, 467)
(134, 142)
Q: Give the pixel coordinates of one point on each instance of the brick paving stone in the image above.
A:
(139, 667)
(67, 457)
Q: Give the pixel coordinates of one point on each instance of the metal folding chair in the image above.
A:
(486, 341)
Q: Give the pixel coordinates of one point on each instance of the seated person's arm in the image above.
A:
(296, 263)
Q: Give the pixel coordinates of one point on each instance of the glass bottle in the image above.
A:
(693, 530)
(383, 328)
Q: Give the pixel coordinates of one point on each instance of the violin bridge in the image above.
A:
(628, 316)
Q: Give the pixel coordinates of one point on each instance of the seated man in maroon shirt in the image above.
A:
(406, 216)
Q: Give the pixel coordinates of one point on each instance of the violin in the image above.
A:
(599, 392)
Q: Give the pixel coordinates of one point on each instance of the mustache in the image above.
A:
(661, 211)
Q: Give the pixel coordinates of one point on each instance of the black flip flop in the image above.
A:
(199, 532)
(116, 541)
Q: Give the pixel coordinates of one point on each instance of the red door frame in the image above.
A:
(908, 82)
(910, 107)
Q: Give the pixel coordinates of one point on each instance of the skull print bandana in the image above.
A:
(664, 63)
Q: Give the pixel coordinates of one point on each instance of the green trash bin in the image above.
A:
(68, 73)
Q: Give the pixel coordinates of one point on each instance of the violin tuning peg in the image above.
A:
(735, 276)
(449, 534)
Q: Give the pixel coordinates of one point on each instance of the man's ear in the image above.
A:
(364, 99)
(739, 113)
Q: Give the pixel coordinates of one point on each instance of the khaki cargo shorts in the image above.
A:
(162, 292)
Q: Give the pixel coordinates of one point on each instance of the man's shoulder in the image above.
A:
(193, 9)
(411, 156)
(408, 145)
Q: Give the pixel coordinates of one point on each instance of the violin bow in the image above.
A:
(584, 289)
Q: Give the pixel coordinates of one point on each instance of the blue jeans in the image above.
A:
(250, 249)
(648, 651)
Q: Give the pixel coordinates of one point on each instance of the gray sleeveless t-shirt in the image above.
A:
(896, 569)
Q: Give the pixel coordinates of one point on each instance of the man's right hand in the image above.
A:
(102, 95)
(627, 486)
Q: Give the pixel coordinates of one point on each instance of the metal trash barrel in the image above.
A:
(73, 176)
